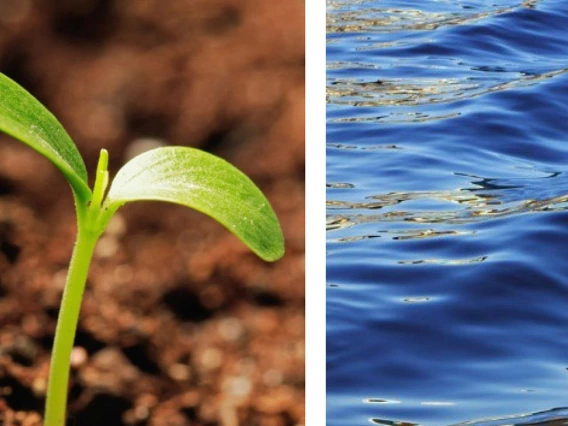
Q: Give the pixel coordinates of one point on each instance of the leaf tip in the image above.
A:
(274, 252)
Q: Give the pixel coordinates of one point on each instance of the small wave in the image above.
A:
(490, 198)
(447, 262)
(384, 422)
(363, 148)
(397, 118)
(553, 417)
(426, 91)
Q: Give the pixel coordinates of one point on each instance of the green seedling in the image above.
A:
(179, 175)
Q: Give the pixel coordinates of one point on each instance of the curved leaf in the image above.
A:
(26, 119)
(206, 183)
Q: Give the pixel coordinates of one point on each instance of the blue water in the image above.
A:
(447, 190)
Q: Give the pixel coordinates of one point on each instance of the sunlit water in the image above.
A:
(447, 180)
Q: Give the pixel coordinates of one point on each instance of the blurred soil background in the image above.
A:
(180, 324)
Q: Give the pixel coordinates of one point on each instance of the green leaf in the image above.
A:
(206, 183)
(26, 119)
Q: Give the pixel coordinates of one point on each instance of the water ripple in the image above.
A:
(343, 17)
(554, 417)
(447, 205)
(415, 92)
(489, 198)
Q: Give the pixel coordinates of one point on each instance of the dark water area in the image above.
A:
(447, 212)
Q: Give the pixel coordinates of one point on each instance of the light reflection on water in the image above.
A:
(446, 212)
(398, 92)
(489, 197)
(555, 417)
(342, 16)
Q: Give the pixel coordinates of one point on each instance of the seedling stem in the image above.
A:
(66, 327)
(87, 237)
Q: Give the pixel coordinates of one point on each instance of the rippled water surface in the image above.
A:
(447, 242)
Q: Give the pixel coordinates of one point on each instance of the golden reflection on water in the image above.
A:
(470, 206)
(364, 19)
(399, 92)
(414, 234)
(344, 17)
(443, 261)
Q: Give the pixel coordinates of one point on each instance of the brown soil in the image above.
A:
(180, 323)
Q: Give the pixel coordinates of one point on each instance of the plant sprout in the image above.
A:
(179, 175)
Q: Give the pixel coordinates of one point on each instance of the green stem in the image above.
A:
(66, 327)
(91, 221)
